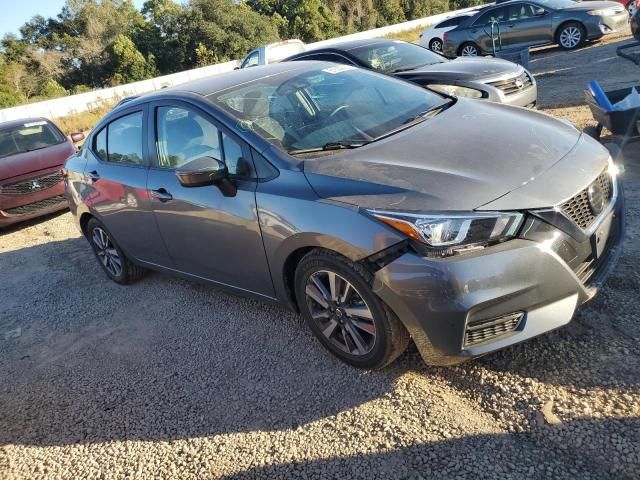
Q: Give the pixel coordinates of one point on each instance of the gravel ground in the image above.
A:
(171, 379)
(563, 76)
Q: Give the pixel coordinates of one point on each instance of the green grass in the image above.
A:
(83, 121)
(412, 35)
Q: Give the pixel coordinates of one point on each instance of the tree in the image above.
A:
(309, 20)
(127, 63)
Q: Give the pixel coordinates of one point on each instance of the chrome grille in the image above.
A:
(579, 209)
(37, 206)
(32, 185)
(513, 85)
(481, 331)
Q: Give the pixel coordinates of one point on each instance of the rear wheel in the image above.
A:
(469, 49)
(435, 45)
(571, 36)
(111, 258)
(335, 297)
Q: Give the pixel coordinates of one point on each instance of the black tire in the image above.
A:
(592, 131)
(128, 271)
(468, 47)
(435, 45)
(569, 30)
(390, 339)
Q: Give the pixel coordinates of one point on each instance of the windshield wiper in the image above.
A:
(339, 145)
(412, 67)
(430, 113)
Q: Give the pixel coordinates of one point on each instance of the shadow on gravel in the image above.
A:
(29, 223)
(547, 452)
(84, 360)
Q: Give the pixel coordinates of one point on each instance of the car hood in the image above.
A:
(464, 158)
(25, 163)
(463, 68)
(586, 6)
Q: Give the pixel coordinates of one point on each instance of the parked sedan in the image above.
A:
(340, 193)
(32, 152)
(534, 23)
(480, 78)
(431, 38)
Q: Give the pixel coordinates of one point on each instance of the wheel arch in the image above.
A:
(84, 221)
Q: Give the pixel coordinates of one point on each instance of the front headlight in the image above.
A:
(603, 12)
(456, 91)
(447, 234)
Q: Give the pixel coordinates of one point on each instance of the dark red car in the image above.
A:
(32, 153)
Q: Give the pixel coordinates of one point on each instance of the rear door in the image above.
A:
(116, 185)
(207, 234)
(487, 29)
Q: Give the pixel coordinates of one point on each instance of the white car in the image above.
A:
(272, 53)
(431, 38)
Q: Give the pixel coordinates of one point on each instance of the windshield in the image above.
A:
(326, 105)
(27, 137)
(395, 56)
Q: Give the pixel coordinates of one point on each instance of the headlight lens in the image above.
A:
(448, 233)
(456, 91)
(603, 12)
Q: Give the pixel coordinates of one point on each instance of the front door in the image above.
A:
(207, 234)
(525, 25)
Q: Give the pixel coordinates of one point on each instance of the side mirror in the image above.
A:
(540, 12)
(77, 137)
(206, 171)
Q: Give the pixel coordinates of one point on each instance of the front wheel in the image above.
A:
(335, 297)
(571, 36)
(469, 50)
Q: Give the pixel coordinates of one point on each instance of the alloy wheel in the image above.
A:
(340, 313)
(469, 51)
(436, 45)
(570, 37)
(106, 251)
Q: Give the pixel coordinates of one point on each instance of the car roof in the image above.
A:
(353, 44)
(217, 83)
(22, 121)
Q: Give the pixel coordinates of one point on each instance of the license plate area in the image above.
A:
(600, 237)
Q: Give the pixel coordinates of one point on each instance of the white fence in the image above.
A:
(63, 106)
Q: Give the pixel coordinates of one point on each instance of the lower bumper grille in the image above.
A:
(34, 207)
(33, 184)
(480, 331)
(514, 85)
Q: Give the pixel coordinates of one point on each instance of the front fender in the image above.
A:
(292, 218)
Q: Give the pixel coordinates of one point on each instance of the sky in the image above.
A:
(14, 13)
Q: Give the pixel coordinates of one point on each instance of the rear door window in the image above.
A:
(124, 140)
(451, 22)
(493, 15)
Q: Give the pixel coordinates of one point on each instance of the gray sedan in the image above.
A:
(531, 23)
(340, 193)
(480, 78)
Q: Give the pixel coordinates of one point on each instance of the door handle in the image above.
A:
(512, 25)
(94, 175)
(162, 195)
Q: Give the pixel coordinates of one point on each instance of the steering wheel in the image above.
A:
(341, 108)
